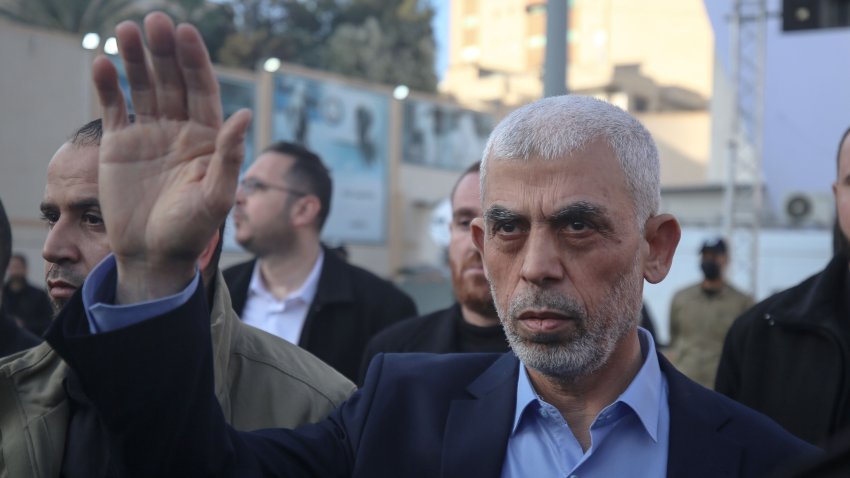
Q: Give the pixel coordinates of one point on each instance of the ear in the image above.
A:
(476, 228)
(662, 234)
(207, 254)
(305, 211)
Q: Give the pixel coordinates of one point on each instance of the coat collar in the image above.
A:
(697, 449)
(813, 298)
(335, 281)
(492, 398)
(223, 322)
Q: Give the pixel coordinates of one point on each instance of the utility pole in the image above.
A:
(555, 64)
(741, 215)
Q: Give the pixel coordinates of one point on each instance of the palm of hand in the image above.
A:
(159, 171)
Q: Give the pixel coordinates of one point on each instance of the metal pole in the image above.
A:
(555, 65)
(758, 140)
(734, 136)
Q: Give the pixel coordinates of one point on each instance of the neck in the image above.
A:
(712, 284)
(282, 273)
(581, 399)
(477, 319)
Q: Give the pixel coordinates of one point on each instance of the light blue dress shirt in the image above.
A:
(629, 438)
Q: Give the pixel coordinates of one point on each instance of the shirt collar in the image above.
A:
(306, 293)
(643, 395)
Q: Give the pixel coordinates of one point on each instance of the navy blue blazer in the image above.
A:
(417, 415)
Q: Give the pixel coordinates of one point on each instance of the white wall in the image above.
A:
(787, 256)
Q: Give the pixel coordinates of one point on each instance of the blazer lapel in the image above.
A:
(477, 428)
(696, 448)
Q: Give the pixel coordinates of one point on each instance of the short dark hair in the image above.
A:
(840, 144)
(5, 240)
(91, 133)
(309, 173)
(473, 168)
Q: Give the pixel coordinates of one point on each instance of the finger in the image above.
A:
(202, 99)
(168, 79)
(223, 173)
(132, 51)
(109, 93)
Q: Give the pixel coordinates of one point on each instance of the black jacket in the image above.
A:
(13, 338)
(351, 305)
(786, 357)
(31, 305)
(436, 332)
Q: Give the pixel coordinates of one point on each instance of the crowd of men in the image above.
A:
(159, 364)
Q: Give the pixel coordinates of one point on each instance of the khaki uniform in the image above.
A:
(698, 326)
(261, 381)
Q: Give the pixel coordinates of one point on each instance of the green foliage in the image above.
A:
(387, 41)
(73, 16)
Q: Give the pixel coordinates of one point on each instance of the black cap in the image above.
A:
(716, 245)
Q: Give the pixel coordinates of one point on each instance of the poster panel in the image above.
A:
(443, 136)
(348, 127)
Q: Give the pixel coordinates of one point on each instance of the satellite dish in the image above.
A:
(441, 216)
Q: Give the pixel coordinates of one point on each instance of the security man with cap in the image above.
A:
(700, 316)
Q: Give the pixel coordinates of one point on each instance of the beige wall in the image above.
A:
(45, 94)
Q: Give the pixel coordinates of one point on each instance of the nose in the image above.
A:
(60, 245)
(240, 194)
(542, 262)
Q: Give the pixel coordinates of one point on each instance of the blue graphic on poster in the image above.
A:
(443, 136)
(235, 95)
(348, 127)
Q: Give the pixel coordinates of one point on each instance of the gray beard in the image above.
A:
(589, 346)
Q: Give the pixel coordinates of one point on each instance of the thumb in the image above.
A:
(223, 172)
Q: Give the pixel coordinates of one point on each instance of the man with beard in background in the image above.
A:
(469, 325)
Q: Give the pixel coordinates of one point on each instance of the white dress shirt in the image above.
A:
(284, 318)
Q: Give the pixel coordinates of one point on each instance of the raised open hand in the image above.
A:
(167, 180)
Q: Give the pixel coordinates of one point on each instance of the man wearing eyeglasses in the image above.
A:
(295, 288)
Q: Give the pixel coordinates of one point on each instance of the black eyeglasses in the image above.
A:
(251, 185)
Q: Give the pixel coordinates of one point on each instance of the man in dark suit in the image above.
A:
(570, 229)
(296, 288)
(470, 324)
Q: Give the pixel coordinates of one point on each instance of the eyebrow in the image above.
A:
(85, 203)
(582, 211)
(500, 213)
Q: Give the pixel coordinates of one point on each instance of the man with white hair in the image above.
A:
(570, 229)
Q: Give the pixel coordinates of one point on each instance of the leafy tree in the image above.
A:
(73, 16)
(389, 41)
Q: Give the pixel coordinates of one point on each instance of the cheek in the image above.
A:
(844, 212)
(502, 272)
(95, 250)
